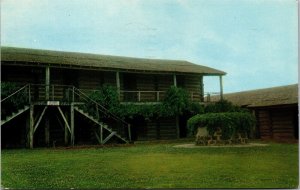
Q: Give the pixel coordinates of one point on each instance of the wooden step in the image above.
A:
(15, 114)
(113, 133)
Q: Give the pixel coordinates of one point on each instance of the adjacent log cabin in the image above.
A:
(55, 79)
(276, 110)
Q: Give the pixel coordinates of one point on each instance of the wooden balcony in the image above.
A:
(64, 93)
(151, 96)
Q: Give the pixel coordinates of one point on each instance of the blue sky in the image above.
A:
(254, 41)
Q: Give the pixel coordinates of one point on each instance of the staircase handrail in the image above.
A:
(106, 110)
(14, 93)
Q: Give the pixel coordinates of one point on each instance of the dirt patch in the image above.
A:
(192, 145)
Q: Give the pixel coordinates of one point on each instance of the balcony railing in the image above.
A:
(151, 96)
(64, 93)
(208, 96)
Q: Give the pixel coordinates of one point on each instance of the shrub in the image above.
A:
(229, 122)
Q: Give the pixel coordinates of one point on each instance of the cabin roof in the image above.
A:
(282, 95)
(72, 59)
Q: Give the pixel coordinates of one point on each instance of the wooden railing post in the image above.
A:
(73, 94)
(118, 84)
(101, 134)
(221, 87)
(29, 94)
(52, 92)
(139, 96)
(129, 132)
(47, 82)
(31, 125)
(208, 97)
(157, 96)
(72, 125)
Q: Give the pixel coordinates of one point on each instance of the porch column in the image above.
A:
(31, 125)
(175, 80)
(47, 83)
(118, 83)
(47, 132)
(201, 89)
(177, 116)
(221, 87)
(72, 125)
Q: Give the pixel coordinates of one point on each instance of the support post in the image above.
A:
(40, 119)
(27, 131)
(221, 87)
(73, 94)
(175, 79)
(47, 83)
(72, 125)
(139, 96)
(101, 134)
(201, 89)
(31, 125)
(177, 116)
(129, 132)
(29, 94)
(47, 132)
(66, 132)
(177, 126)
(118, 83)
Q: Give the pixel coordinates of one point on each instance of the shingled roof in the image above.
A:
(71, 59)
(281, 95)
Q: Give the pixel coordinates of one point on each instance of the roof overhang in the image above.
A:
(59, 59)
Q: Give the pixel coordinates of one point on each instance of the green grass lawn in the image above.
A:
(152, 166)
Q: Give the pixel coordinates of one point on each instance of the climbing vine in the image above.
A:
(176, 102)
(229, 122)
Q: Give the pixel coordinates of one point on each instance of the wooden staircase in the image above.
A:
(79, 102)
(14, 114)
(101, 124)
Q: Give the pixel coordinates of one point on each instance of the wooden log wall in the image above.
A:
(57, 78)
(265, 124)
(282, 124)
(168, 128)
(95, 79)
(146, 83)
(193, 86)
(163, 128)
(22, 75)
(276, 123)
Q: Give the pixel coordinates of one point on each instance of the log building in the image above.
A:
(276, 111)
(56, 83)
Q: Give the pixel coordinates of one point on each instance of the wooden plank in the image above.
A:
(118, 83)
(101, 134)
(64, 118)
(40, 118)
(221, 87)
(174, 80)
(47, 82)
(47, 132)
(72, 125)
(31, 123)
(67, 130)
